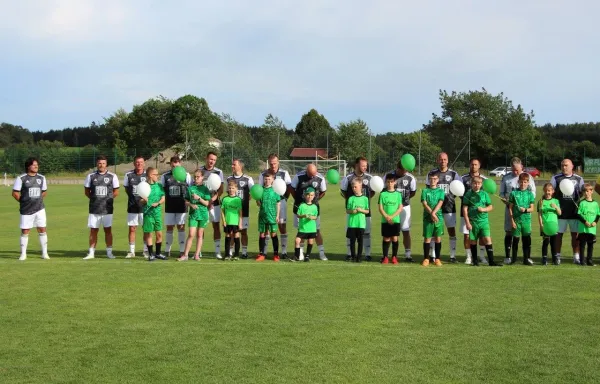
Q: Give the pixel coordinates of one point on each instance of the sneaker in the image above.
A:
(131, 255)
(438, 262)
(590, 263)
(161, 257)
(557, 260)
(110, 256)
(45, 257)
(276, 258)
(475, 263)
(394, 260)
(244, 256)
(527, 262)
(385, 260)
(425, 262)
(468, 260)
(483, 261)
(301, 257)
(507, 261)
(284, 256)
(218, 256)
(348, 258)
(182, 258)
(151, 258)
(23, 257)
(260, 257)
(323, 257)
(88, 257)
(544, 260)
(452, 260)
(197, 258)
(307, 259)
(368, 258)
(409, 259)
(576, 261)
(146, 254)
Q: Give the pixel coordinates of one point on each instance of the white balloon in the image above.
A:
(566, 187)
(213, 182)
(376, 184)
(279, 186)
(457, 188)
(143, 190)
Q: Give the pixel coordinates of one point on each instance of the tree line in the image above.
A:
(495, 128)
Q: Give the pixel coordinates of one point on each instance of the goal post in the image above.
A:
(323, 165)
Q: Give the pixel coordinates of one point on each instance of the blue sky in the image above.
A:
(67, 63)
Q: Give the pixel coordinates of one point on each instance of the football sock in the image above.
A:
(275, 241)
(438, 250)
(261, 245)
(527, 247)
(227, 245)
(218, 246)
(158, 247)
(244, 249)
(474, 260)
(24, 241)
(236, 245)
(132, 247)
(322, 249)
(284, 239)
(395, 246)
(150, 249)
(507, 245)
(44, 243)
(386, 248)
(297, 252)
(426, 248)
(347, 246)
(308, 249)
(367, 243)
(515, 247)
(182, 238)
(169, 241)
(452, 246)
(490, 253)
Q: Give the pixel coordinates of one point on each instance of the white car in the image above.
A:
(500, 171)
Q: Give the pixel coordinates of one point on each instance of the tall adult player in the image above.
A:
(244, 183)
(30, 190)
(135, 215)
(568, 207)
(101, 188)
(474, 166)
(360, 170)
(406, 184)
(175, 209)
(214, 208)
(446, 176)
(282, 174)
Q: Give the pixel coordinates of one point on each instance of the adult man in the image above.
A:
(30, 190)
(446, 176)
(244, 183)
(304, 179)
(360, 169)
(101, 188)
(214, 208)
(282, 174)
(135, 215)
(568, 207)
(406, 184)
(175, 210)
(510, 182)
(474, 166)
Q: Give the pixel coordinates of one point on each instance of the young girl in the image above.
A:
(153, 214)
(307, 224)
(231, 215)
(520, 206)
(197, 199)
(548, 211)
(589, 214)
(432, 199)
(268, 217)
(356, 208)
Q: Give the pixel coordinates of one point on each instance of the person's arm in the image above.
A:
(322, 188)
(16, 192)
(278, 211)
(413, 188)
(465, 210)
(344, 188)
(438, 206)
(398, 211)
(288, 182)
(223, 216)
(349, 210)
(250, 185)
(539, 211)
(115, 186)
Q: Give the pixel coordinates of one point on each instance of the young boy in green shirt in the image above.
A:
(432, 199)
(476, 205)
(231, 215)
(390, 208)
(548, 209)
(153, 214)
(268, 217)
(307, 223)
(198, 198)
(520, 206)
(357, 207)
(589, 214)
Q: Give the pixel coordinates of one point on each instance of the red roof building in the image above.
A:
(310, 153)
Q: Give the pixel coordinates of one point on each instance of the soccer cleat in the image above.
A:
(452, 260)
(161, 257)
(45, 257)
(590, 263)
(88, 257)
(475, 263)
(507, 261)
(131, 255)
(492, 263)
(146, 254)
(557, 260)
(394, 260)
(482, 260)
(368, 258)
(182, 258)
(244, 256)
(385, 260)
(544, 260)
(23, 257)
(438, 262)
(409, 259)
(307, 259)
(197, 257)
(151, 258)
(110, 256)
(468, 260)
(275, 258)
(348, 258)
(260, 257)
(576, 260)
(284, 256)
(425, 262)
(527, 261)
(218, 256)
(323, 257)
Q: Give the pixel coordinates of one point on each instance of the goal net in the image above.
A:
(323, 165)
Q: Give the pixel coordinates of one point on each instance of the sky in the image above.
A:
(66, 63)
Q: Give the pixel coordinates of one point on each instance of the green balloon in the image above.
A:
(408, 162)
(550, 228)
(333, 176)
(179, 174)
(489, 186)
(256, 192)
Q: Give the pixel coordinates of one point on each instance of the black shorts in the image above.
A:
(307, 235)
(231, 229)
(357, 232)
(390, 230)
(587, 237)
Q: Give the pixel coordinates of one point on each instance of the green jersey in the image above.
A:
(390, 201)
(306, 225)
(268, 206)
(474, 200)
(202, 212)
(589, 211)
(156, 193)
(549, 214)
(231, 207)
(432, 196)
(357, 220)
(521, 199)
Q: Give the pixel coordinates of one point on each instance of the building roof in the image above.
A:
(309, 152)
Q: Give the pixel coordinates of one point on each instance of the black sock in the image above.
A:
(526, 247)
(227, 245)
(581, 248)
(308, 249)
(438, 250)
(426, 248)
(261, 244)
(275, 241)
(297, 252)
(386, 248)
(590, 250)
(352, 244)
(158, 247)
(545, 244)
(359, 249)
(490, 253)
(150, 247)
(236, 246)
(515, 247)
(553, 245)
(474, 257)
(395, 246)
(508, 239)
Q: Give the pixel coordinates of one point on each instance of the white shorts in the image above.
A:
(135, 219)
(245, 222)
(463, 226)
(450, 220)
(175, 218)
(573, 225)
(367, 228)
(214, 214)
(283, 212)
(318, 222)
(37, 220)
(405, 219)
(94, 221)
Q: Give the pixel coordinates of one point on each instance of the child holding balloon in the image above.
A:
(548, 209)
(589, 214)
(197, 198)
(231, 216)
(432, 199)
(153, 214)
(520, 206)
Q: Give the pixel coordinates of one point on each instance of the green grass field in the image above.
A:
(69, 320)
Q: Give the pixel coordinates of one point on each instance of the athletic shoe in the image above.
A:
(557, 260)
(161, 257)
(244, 256)
(197, 258)
(394, 260)
(483, 261)
(151, 258)
(218, 256)
(275, 258)
(527, 262)
(146, 254)
(452, 260)
(475, 263)
(284, 256)
(544, 260)
(468, 260)
(438, 262)
(348, 258)
(307, 259)
(260, 257)
(368, 258)
(576, 261)
(110, 255)
(131, 255)
(385, 260)
(45, 257)
(507, 261)
(590, 263)
(88, 257)
(182, 258)
(323, 257)
(492, 263)
(409, 259)
(23, 257)
(425, 262)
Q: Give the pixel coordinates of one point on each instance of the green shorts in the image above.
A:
(197, 223)
(523, 229)
(479, 231)
(152, 223)
(267, 227)
(431, 229)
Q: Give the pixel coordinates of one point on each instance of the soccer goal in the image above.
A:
(323, 165)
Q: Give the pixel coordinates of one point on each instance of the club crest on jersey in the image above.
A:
(38, 181)
(405, 182)
(365, 182)
(142, 178)
(242, 184)
(314, 184)
(448, 177)
(106, 180)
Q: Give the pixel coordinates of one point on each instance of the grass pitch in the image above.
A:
(69, 320)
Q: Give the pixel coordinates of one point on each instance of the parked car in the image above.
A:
(533, 171)
(500, 171)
